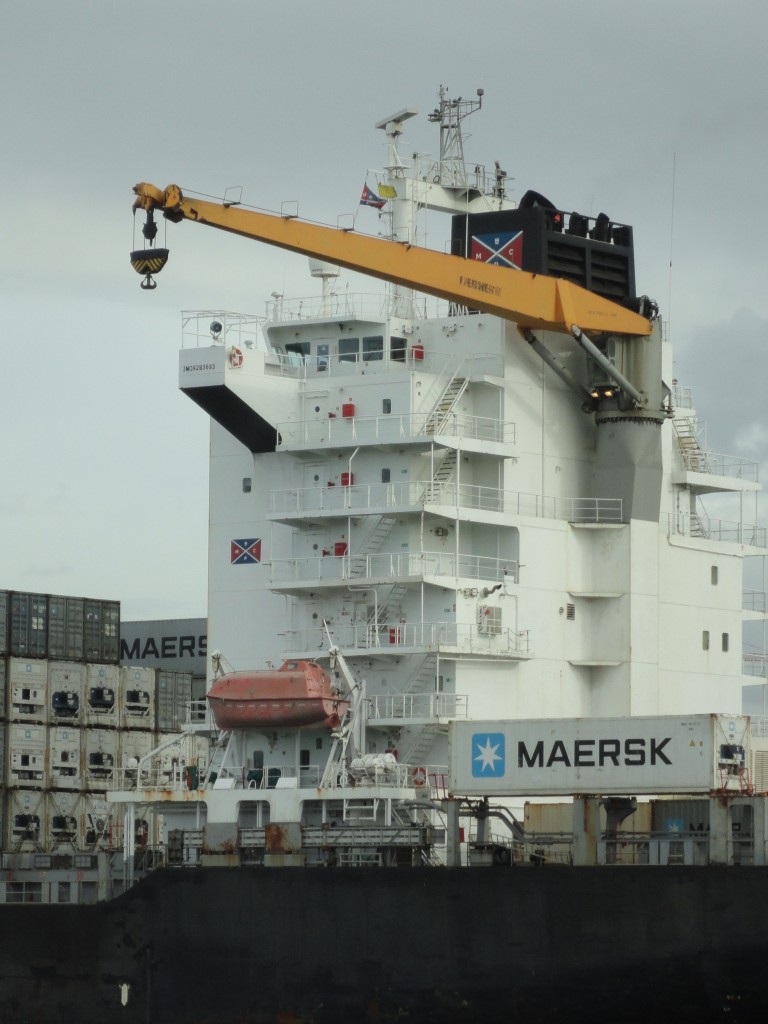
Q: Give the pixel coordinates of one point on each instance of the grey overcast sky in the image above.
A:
(599, 104)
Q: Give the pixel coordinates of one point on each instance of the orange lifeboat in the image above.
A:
(299, 693)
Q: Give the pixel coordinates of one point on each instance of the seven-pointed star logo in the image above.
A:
(488, 755)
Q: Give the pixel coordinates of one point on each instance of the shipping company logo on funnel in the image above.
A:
(488, 755)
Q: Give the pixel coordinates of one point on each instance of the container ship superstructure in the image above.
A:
(478, 509)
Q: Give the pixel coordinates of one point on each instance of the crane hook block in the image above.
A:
(147, 262)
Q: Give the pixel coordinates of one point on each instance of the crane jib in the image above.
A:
(530, 300)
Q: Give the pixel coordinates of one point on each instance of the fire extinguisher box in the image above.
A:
(340, 548)
(347, 410)
(347, 479)
(417, 351)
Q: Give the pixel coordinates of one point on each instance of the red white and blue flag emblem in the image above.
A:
(503, 250)
(369, 198)
(245, 552)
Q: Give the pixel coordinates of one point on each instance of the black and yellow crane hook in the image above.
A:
(149, 261)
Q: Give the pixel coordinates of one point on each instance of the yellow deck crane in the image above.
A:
(532, 301)
(630, 377)
(625, 388)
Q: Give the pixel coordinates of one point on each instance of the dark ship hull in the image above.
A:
(222, 945)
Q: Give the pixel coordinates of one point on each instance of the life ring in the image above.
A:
(235, 357)
(419, 776)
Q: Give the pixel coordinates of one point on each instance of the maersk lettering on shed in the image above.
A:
(697, 754)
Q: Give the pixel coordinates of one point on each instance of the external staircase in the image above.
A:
(693, 455)
(440, 416)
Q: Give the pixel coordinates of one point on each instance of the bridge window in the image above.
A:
(713, 575)
(349, 350)
(299, 349)
(397, 349)
(373, 348)
(705, 640)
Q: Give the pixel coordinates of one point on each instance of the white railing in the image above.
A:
(415, 565)
(363, 305)
(392, 428)
(685, 525)
(682, 398)
(731, 466)
(391, 636)
(755, 665)
(753, 601)
(418, 494)
(199, 329)
(418, 706)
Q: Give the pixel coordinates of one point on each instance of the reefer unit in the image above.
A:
(27, 689)
(66, 689)
(136, 698)
(100, 755)
(25, 820)
(65, 757)
(134, 746)
(26, 751)
(64, 821)
(101, 704)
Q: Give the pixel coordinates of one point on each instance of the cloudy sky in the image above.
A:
(654, 112)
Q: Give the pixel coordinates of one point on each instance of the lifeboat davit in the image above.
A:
(299, 693)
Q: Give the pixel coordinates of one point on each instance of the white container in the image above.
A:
(101, 700)
(100, 758)
(99, 823)
(64, 822)
(25, 821)
(134, 746)
(65, 757)
(137, 698)
(66, 690)
(27, 689)
(188, 752)
(26, 753)
(599, 756)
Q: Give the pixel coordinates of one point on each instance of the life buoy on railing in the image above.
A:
(419, 776)
(235, 357)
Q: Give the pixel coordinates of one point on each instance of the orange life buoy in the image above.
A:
(235, 357)
(419, 776)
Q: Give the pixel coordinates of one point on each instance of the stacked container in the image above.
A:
(174, 692)
(73, 723)
(58, 661)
